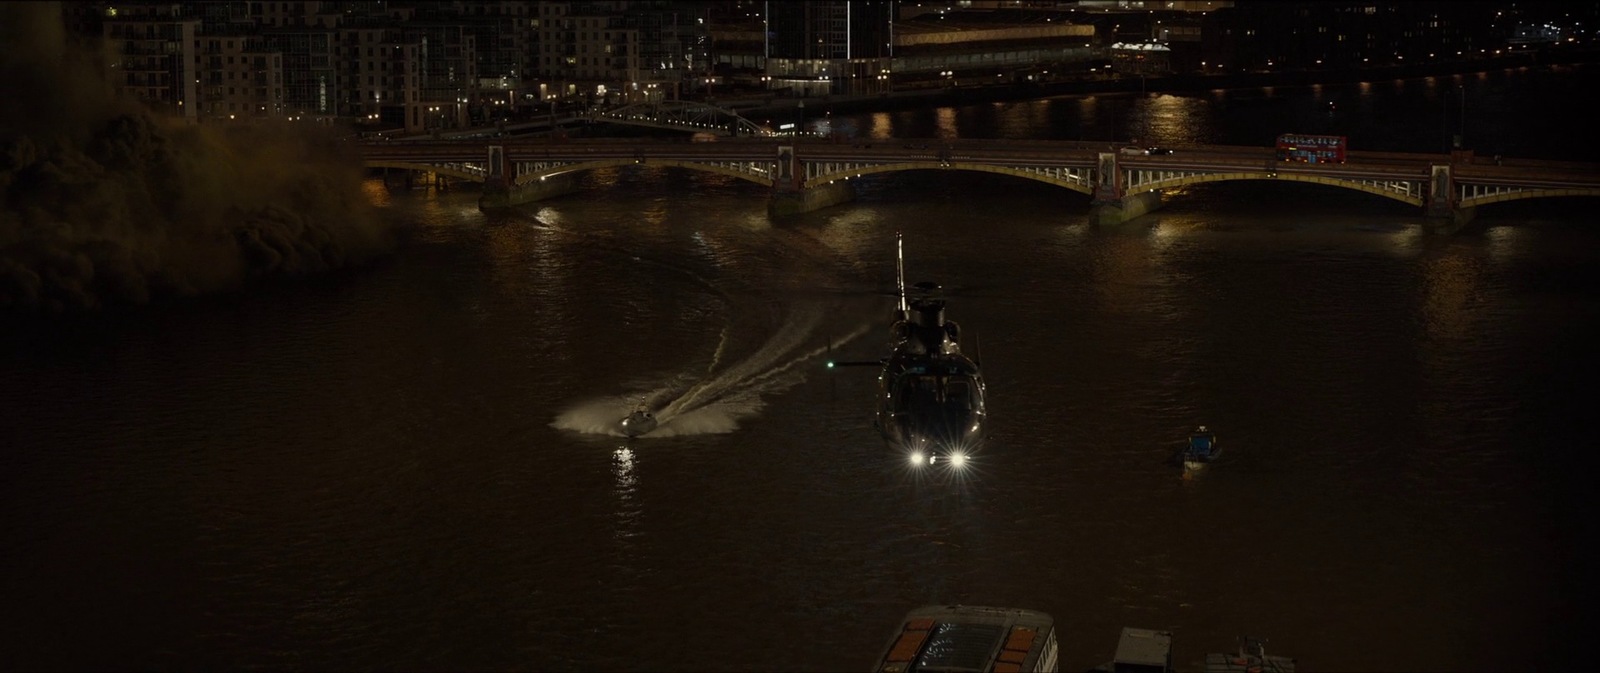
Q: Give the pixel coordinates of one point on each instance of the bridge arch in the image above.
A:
(1476, 201)
(1408, 192)
(473, 172)
(548, 171)
(1078, 181)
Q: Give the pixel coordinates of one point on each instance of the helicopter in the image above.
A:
(930, 394)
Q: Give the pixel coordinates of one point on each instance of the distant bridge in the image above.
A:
(808, 173)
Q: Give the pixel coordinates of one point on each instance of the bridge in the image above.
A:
(805, 174)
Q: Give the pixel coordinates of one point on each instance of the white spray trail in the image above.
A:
(717, 403)
(788, 337)
(722, 346)
(758, 381)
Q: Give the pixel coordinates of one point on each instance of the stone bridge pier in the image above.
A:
(505, 193)
(790, 196)
(1112, 204)
(500, 188)
(1442, 205)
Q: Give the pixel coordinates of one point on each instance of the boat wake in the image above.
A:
(716, 400)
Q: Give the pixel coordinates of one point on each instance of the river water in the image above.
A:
(413, 466)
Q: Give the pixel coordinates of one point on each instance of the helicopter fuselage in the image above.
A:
(930, 395)
(933, 405)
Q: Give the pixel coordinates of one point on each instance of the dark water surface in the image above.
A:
(414, 467)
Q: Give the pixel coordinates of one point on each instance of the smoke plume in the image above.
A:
(103, 203)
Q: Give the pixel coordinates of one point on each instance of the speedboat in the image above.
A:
(638, 423)
(1202, 449)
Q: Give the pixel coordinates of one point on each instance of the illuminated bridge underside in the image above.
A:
(684, 116)
(759, 172)
(750, 163)
(1413, 192)
(1076, 179)
(1472, 196)
(465, 171)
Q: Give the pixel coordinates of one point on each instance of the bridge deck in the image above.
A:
(1409, 177)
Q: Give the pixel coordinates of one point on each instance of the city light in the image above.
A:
(411, 64)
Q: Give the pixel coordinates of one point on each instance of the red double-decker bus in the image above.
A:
(1312, 149)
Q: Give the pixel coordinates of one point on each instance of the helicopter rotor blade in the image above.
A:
(940, 291)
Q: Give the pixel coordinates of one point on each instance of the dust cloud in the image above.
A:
(103, 203)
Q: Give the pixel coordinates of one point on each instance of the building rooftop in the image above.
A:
(976, 20)
(1140, 649)
(1140, 46)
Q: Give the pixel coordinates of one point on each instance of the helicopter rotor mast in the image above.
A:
(900, 270)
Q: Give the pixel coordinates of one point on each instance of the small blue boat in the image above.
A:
(1202, 448)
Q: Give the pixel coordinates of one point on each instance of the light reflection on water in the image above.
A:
(1489, 109)
(628, 508)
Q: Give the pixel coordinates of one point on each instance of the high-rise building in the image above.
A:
(506, 39)
(448, 69)
(737, 35)
(151, 55)
(829, 46)
(674, 43)
(310, 72)
(379, 78)
(241, 78)
(619, 51)
(1259, 35)
(585, 52)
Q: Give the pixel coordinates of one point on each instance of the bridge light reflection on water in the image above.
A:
(1173, 119)
(1507, 243)
(1455, 298)
(1408, 240)
(881, 126)
(946, 124)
